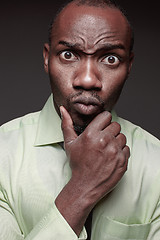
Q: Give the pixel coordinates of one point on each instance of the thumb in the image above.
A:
(67, 126)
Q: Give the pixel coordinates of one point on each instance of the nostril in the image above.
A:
(78, 87)
(87, 89)
(87, 83)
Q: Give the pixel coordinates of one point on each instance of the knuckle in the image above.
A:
(113, 150)
(102, 142)
(88, 136)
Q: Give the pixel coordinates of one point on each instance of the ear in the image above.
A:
(46, 49)
(131, 58)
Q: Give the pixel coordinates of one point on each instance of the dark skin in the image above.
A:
(88, 62)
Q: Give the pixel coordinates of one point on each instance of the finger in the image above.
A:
(121, 140)
(126, 151)
(101, 121)
(67, 126)
(112, 130)
(124, 165)
(123, 158)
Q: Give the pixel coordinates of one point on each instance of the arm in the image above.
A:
(51, 227)
(13, 226)
(98, 160)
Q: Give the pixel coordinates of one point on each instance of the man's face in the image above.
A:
(88, 61)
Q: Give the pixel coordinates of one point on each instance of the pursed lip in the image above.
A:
(87, 105)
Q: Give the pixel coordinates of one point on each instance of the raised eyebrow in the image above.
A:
(69, 45)
(103, 47)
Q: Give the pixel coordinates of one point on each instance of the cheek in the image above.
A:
(60, 83)
(59, 94)
(115, 79)
(59, 75)
(112, 86)
(59, 90)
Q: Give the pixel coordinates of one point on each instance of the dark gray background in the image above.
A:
(25, 86)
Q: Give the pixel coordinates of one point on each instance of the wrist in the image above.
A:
(74, 205)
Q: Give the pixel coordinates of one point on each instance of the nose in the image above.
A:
(87, 76)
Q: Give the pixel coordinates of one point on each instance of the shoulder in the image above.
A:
(30, 119)
(22, 129)
(16, 137)
(135, 133)
(144, 148)
(144, 162)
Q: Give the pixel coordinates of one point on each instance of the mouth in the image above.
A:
(87, 106)
(85, 109)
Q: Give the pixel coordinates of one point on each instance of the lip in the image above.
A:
(86, 109)
(87, 106)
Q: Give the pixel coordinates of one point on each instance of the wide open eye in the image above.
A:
(68, 56)
(111, 60)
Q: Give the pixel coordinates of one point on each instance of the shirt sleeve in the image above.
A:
(51, 227)
(54, 226)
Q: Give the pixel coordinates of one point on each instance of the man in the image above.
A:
(48, 193)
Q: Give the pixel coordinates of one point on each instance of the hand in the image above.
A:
(98, 157)
(98, 160)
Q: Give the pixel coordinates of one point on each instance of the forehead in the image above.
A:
(89, 26)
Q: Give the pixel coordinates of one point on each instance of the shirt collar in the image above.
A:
(49, 125)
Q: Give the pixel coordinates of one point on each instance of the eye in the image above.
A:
(111, 60)
(68, 56)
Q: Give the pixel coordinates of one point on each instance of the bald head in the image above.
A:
(91, 3)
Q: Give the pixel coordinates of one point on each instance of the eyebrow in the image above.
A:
(106, 46)
(70, 45)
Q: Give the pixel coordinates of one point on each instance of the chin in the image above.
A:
(79, 129)
(81, 122)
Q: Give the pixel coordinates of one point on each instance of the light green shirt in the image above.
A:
(34, 169)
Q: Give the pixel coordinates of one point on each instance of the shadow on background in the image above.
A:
(25, 86)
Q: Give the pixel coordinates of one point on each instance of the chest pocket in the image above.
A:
(108, 229)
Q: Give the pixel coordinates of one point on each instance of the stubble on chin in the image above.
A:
(79, 129)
